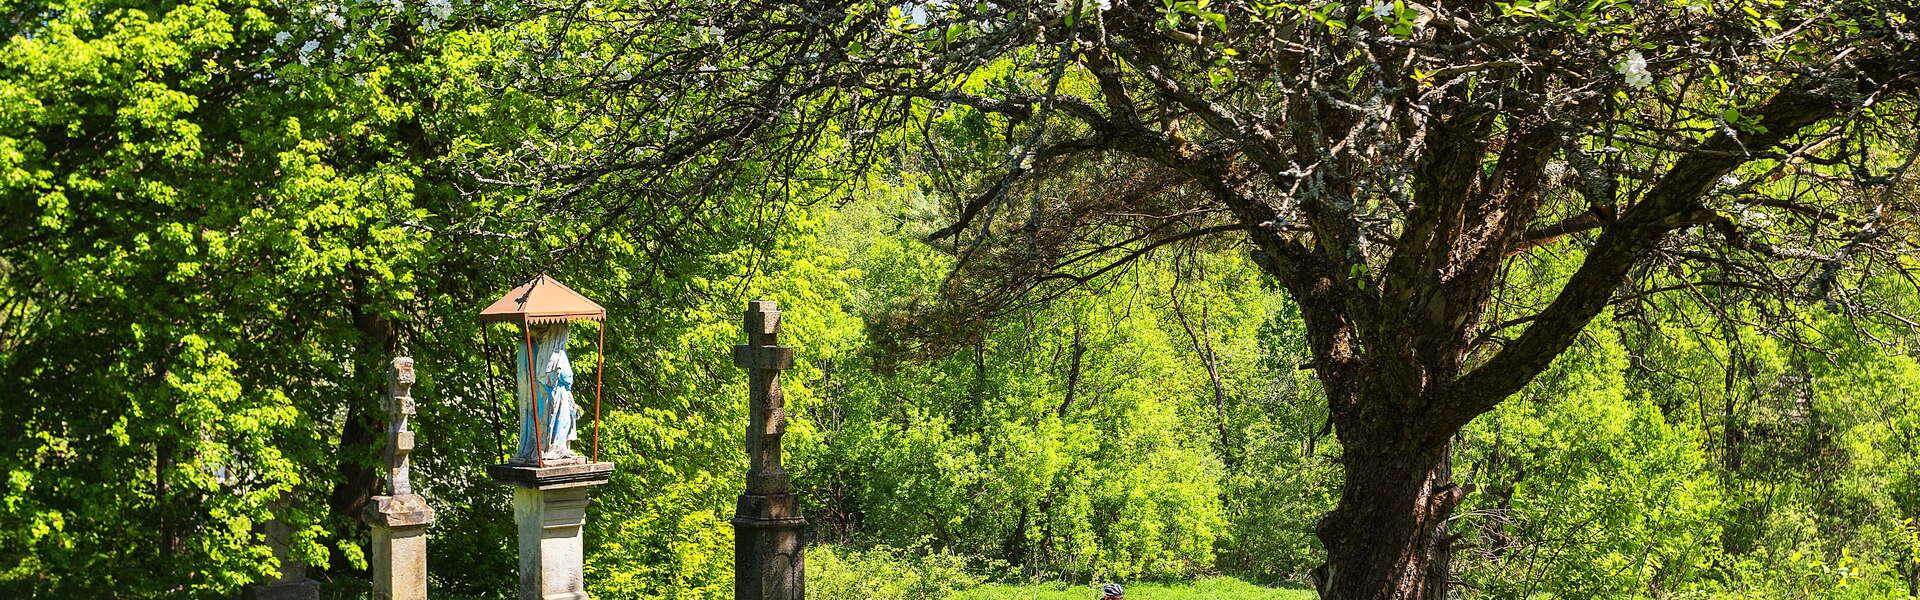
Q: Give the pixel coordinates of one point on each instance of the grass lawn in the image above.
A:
(1217, 588)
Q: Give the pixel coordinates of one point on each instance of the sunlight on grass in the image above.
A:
(1218, 588)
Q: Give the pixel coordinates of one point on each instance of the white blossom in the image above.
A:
(1729, 180)
(329, 14)
(437, 11)
(306, 50)
(1383, 10)
(1020, 154)
(1634, 67)
(1555, 170)
(280, 39)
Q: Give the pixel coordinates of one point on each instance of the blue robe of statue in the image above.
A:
(554, 403)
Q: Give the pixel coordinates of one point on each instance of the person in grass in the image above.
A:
(1112, 591)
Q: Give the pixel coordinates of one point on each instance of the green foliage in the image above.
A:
(1207, 588)
(1583, 486)
(884, 573)
(665, 532)
(152, 324)
(1283, 461)
(215, 236)
(1070, 439)
(222, 218)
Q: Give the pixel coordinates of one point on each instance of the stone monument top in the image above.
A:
(400, 517)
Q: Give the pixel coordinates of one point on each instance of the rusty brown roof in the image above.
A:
(542, 300)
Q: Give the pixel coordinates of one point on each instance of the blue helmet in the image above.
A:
(1112, 590)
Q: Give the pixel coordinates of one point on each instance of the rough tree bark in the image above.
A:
(1387, 537)
(357, 478)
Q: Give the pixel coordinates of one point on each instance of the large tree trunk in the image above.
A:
(357, 477)
(1387, 538)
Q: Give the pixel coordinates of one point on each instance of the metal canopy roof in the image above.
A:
(542, 300)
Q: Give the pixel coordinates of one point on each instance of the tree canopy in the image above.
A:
(1399, 299)
(1393, 166)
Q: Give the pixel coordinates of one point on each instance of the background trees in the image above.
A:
(221, 218)
(1033, 333)
(1401, 170)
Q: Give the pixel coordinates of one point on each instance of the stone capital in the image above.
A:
(406, 510)
(551, 477)
(768, 511)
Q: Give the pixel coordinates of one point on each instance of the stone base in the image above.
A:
(399, 563)
(304, 589)
(551, 550)
(551, 476)
(554, 461)
(550, 508)
(399, 560)
(769, 557)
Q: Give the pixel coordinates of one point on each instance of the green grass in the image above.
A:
(1217, 588)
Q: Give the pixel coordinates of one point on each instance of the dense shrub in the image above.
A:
(884, 573)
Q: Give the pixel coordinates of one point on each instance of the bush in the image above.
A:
(884, 573)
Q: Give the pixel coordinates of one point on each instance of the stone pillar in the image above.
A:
(550, 507)
(292, 584)
(400, 518)
(769, 558)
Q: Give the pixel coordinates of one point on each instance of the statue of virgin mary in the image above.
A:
(548, 414)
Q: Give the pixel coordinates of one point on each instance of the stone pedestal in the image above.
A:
(399, 558)
(304, 589)
(550, 506)
(292, 584)
(770, 560)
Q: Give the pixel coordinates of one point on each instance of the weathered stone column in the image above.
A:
(550, 506)
(769, 558)
(400, 518)
(292, 584)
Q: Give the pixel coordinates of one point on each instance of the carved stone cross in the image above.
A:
(399, 405)
(764, 359)
(769, 557)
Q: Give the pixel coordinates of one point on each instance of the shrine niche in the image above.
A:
(544, 379)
